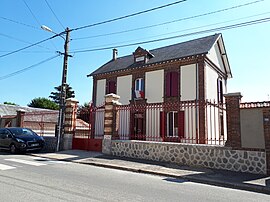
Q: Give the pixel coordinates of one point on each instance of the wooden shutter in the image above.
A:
(174, 84)
(162, 125)
(112, 87)
(168, 84)
(181, 124)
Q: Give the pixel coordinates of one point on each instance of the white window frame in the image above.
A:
(175, 129)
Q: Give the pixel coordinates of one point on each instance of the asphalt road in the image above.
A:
(28, 178)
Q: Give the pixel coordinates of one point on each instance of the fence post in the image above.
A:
(266, 126)
(70, 122)
(20, 118)
(111, 100)
(233, 120)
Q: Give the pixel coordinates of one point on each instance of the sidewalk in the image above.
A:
(244, 181)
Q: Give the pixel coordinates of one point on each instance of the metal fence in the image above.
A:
(172, 122)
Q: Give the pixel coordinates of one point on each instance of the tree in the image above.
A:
(83, 112)
(56, 95)
(10, 103)
(43, 103)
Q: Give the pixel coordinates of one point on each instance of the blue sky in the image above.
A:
(248, 47)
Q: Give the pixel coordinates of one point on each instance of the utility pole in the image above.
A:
(61, 116)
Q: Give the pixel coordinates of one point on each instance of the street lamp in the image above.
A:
(63, 85)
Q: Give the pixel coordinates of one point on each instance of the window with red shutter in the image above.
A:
(172, 81)
(174, 84)
(111, 87)
(181, 124)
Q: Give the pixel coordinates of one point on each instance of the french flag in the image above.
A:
(139, 94)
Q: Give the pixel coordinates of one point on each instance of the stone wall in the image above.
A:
(50, 144)
(217, 157)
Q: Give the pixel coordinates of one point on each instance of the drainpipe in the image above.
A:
(196, 101)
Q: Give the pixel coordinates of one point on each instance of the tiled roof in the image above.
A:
(176, 51)
(12, 109)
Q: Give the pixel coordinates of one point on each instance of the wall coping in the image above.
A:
(175, 144)
(237, 94)
(72, 100)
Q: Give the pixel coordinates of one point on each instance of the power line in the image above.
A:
(20, 40)
(54, 14)
(27, 68)
(173, 21)
(183, 30)
(263, 20)
(20, 23)
(34, 44)
(32, 13)
(127, 16)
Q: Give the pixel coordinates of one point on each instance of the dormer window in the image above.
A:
(139, 59)
(142, 55)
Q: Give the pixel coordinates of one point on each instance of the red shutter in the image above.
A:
(181, 124)
(162, 125)
(112, 87)
(174, 84)
(168, 84)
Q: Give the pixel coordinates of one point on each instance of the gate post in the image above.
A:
(20, 118)
(233, 120)
(111, 100)
(70, 122)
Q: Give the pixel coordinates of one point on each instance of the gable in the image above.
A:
(217, 54)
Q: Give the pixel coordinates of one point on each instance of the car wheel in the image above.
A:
(13, 149)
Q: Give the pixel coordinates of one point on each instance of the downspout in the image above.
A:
(196, 102)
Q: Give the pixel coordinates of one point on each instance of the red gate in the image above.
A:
(88, 133)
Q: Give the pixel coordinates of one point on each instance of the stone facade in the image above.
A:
(217, 157)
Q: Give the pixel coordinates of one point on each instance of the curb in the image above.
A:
(245, 187)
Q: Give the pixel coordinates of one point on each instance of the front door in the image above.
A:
(139, 127)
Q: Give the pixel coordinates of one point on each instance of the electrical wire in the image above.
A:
(54, 14)
(183, 30)
(27, 68)
(34, 44)
(20, 40)
(127, 16)
(263, 20)
(170, 22)
(20, 23)
(31, 13)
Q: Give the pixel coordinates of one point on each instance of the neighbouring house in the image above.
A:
(172, 93)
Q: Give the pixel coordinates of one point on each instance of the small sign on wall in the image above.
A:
(107, 137)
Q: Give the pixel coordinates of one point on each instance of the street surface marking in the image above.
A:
(26, 162)
(49, 161)
(6, 167)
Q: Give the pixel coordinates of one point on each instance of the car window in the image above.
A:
(3, 133)
(22, 132)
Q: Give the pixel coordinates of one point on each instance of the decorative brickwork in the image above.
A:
(111, 100)
(69, 124)
(266, 126)
(233, 120)
(202, 84)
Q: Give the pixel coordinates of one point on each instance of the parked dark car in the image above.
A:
(20, 139)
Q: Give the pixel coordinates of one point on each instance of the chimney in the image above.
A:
(115, 53)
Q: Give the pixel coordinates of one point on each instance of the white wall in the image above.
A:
(124, 84)
(188, 82)
(154, 86)
(101, 87)
(211, 77)
(215, 57)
